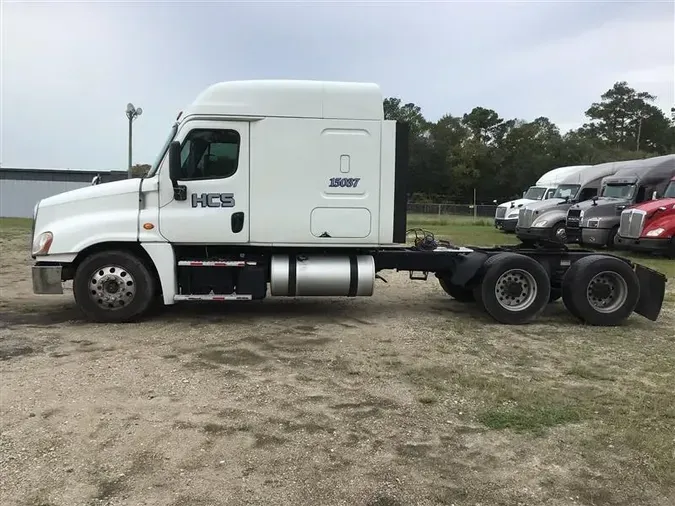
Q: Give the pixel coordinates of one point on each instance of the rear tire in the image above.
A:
(601, 290)
(458, 293)
(514, 289)
(113, 287)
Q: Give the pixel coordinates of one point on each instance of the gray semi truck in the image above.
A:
(545, 220)
(595, 222)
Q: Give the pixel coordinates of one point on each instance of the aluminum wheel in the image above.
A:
(561, 235)
(112, 287)
(516, 290)
(607, 291)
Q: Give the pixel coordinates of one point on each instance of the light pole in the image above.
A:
(132, 114)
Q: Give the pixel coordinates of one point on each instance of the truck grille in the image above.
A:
(525, 218)
(573, 218)
(501, 212)
(632, 221)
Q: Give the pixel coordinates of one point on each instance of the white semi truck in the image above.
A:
(296, 188)
(506, 214)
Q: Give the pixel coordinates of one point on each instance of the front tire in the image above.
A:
(612, 237)
(113, 287)
(601, 290)
(515, 289)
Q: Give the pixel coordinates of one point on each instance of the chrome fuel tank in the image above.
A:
(319, 275)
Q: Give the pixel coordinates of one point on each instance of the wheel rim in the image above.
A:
(112, 287)
(607, 291)
(516, 290)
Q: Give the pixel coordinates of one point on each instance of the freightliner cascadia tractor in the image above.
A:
(649, 227)
(295, 189)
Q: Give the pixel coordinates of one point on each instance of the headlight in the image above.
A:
(656, 232)
(42, 243)
(581, 214)
(592, 223)
(541, 223)
(513, 215)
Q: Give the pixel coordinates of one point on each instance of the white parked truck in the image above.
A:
(296, 188)
(506, 214)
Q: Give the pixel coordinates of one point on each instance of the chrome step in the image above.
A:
(215, 263)
(229, 296)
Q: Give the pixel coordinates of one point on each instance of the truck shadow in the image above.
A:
(361, 311)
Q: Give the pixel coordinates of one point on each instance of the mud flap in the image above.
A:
(468, 268)
(652, 292)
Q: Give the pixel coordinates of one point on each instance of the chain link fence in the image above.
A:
(450, 210)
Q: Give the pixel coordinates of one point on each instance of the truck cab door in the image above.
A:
(215, 177)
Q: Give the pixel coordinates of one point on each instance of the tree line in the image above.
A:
(499, 157)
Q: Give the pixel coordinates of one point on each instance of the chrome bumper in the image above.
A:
(47, 279)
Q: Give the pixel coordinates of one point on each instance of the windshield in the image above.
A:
(160, 156)
(618, 191)
(566, 191)
(670, 191)
(535, 193)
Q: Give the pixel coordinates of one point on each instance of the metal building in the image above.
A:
(21, 189)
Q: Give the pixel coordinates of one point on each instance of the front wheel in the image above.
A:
(113, 287)
(559, 233)
(612, 238)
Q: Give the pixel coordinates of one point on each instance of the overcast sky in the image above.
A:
(69, 69)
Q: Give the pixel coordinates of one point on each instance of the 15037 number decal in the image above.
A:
(343, 182)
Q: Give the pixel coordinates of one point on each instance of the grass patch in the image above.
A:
(528, 418)
(11, 228)
(589, 374)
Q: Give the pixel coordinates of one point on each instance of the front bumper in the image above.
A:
(47, 279)
(506, 225)
(533, 233)
(646, 245)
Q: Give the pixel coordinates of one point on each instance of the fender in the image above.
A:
(469, 266)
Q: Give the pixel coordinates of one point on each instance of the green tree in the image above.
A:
(626, 119)
(140, 169)
(501, 157)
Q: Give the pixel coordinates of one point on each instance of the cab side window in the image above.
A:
(587, 194)
(641, 195)
(210, 154)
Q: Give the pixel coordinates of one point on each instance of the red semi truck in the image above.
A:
(649, 226)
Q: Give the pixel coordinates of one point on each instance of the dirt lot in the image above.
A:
(406, 398)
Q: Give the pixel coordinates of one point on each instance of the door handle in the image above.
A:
(237, 222)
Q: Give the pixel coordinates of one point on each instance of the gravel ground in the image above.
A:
(372, 402)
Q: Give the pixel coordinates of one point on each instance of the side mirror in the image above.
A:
(96, 180)
(524, 194)
(655, 195)
(179, 191)
(174, 161)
